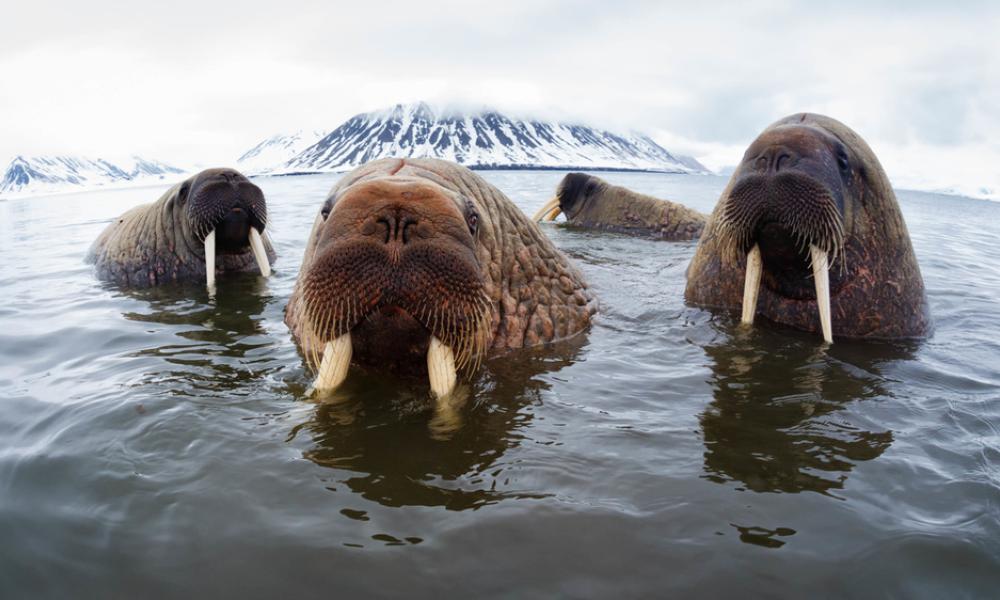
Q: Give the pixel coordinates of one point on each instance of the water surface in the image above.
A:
(161, 440)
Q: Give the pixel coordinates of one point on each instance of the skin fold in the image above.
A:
(593, 203)
(405, 249)
(810, 181)
(164, 242)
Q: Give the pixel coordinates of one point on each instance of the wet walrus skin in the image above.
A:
(165, 242)
(593, 203)
(808, 187)
(421, 264)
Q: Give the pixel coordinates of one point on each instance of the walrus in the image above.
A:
(591, 202)
(809, 213)
(421, 264)
(211, 222)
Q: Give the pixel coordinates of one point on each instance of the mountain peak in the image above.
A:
(54, 173)
(482, 138)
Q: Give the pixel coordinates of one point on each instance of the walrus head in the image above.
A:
(575, 192)
(590, 202)
(420, 262)
(810, 214)
(226, 213)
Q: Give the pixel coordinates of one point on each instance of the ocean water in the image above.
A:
(158, 443)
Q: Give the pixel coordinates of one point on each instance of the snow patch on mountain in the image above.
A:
(275, 151)
(31, 175)
(480, 139)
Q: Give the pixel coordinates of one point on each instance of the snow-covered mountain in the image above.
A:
(49, 174)
(484, 139)
(275, 151)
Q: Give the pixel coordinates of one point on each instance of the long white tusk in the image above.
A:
(210, 260)
(821, 275)
(751, 285)
(552, 206)
(257, 245)
(333, 367)
(441, 368)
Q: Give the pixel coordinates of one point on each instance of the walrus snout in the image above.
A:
(395, 279)
(228, 213)
(233, 232)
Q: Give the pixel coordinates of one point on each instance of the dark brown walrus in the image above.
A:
(422, 262)
(216, 218)
(810, 212)
(591, 202)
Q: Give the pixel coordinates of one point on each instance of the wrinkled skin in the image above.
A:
(164, 242)
(808, 179)
(591, 202)
(403, 249)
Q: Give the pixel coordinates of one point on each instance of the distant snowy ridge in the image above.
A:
(483, 139)
(29, 175)
(275, 151)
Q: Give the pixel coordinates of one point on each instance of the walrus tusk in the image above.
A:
(257, 245)
(552, 206)
(210, 259)
(821, 275)
(441, 368)
(333, 367)
(751, 285)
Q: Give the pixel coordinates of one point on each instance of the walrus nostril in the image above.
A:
(783, 160)
(388, 226)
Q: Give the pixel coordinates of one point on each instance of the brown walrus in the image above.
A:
(810, 212)
(591, 202)
(422, 262)
(216, 218)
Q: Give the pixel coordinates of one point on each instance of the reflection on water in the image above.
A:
(400, 449)
(219, 335)
(773, 422)
(163, 440)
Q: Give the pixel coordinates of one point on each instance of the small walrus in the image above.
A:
(422, 262)
(591, 202)
(809, 213)
(211, 222)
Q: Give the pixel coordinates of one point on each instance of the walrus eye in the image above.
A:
(842, 161)
(473, 220)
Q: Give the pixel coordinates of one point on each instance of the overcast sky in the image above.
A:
(200, 82)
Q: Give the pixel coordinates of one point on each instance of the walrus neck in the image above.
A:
(516, 250)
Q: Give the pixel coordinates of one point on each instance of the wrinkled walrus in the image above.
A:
(422, 262)
(591, 202)
(216, 218)
(809, 213)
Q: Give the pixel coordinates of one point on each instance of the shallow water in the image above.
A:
(158, 440)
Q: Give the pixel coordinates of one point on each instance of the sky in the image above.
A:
(198, 83)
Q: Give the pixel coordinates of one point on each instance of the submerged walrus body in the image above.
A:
(216, 218)
(420, 265)
(593, 203)
(808, 234)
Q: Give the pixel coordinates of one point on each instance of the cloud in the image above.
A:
(199, 82)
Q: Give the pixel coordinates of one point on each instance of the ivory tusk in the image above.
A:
(441, 368)
(543, 214)
(751, 285)
(210, 260)
(821, 276)
(259, 253)
(333, 367)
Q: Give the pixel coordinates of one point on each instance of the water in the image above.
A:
(159, 441)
